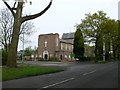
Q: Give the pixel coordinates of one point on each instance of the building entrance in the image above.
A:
(61, 57)
(45, 55)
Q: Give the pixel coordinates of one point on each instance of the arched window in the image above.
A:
(45, 43)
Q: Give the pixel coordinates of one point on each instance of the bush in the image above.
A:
(4, 60)
(4, 57)
(81, 58)
(40, 59)
(53, 58)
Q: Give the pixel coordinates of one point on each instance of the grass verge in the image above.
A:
(24, 71)
(103, 61)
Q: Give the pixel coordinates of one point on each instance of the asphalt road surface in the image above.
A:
(76, 75)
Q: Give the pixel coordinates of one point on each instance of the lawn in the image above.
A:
(24, 71)
(103, 61)
(107, 61)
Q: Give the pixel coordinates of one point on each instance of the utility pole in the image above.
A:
(23, 50)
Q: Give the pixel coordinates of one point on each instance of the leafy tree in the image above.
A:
(103, 32)
(78, 44)
(92, 31)
(28, 51)
(118, 39)
(16, 11)
(110, 35)
(89, 50)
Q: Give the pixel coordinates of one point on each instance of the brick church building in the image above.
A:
(50, 45)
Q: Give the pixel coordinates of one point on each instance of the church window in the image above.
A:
(57, 41)
(45, 43)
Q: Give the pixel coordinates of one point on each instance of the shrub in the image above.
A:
(53, 58)
(4, 57)
(4, 60)
(81, 58)
(20, 57)
(40, 59)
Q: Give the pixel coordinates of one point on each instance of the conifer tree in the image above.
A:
(78, 44)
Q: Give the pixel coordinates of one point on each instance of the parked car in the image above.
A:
(77, 59)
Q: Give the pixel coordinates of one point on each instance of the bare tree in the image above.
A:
(16, 11)
(6, 27)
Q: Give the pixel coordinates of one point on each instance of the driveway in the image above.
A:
(56, 64)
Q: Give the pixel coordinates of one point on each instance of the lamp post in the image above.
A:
(23, 49)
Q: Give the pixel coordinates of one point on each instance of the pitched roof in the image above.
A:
(68, 35)
(65, 41)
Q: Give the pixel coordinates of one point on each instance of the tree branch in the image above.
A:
(36, 15)
(9, 8)
(14, 5)
(14, 8)
(1, 41)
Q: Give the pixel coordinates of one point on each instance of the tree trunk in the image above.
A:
(99, 47)
(12, 52)
(107, 51)
(96, 50)
(18, 20)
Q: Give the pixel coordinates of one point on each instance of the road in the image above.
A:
(76, 75)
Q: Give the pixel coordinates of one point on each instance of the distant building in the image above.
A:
(34, 56)
(50, 45)
(68, 36)
(19, 54)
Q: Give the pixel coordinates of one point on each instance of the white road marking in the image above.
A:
(58, 83)
(89, 72)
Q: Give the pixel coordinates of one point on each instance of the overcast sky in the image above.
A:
(63, 15)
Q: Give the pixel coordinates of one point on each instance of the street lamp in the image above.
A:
(23, 49)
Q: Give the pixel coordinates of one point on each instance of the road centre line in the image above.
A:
(58, 83)
(66, 80)
(89, 72)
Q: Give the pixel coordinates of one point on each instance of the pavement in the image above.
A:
(76, 75)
